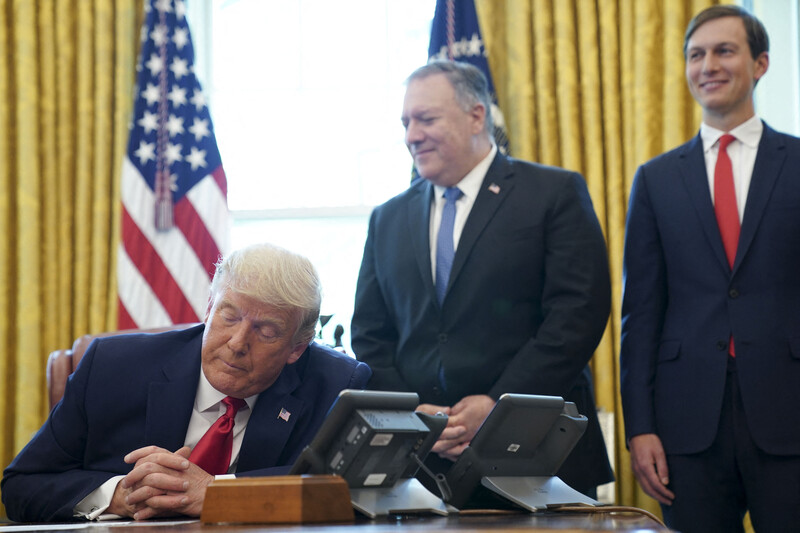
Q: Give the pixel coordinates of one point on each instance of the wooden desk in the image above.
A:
(465, 523)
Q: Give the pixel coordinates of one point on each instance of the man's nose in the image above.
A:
(239, 341)
(414, 133)
(710, 63)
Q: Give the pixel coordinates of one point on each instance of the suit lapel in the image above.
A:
(419, 216)
(769, 161)
(496, 187)
(170, 403)
(693, 172)
(274, 416)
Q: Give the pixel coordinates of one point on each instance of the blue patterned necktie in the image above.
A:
(444, 242)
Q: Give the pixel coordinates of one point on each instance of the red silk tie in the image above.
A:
(725, 199)
(725, 205)
(213, 452)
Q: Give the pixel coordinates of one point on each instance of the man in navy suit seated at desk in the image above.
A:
(124, 440)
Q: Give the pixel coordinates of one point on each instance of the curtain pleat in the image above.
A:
(24, 188)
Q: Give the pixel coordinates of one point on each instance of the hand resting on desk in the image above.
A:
(162, 483)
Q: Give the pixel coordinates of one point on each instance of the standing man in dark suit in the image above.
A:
(711, 310)
(527, 298)
(126, 438)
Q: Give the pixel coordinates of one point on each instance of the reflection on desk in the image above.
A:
(552, 521)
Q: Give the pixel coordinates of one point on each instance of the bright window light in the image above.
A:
(306, 97)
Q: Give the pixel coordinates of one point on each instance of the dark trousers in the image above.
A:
(714, 489)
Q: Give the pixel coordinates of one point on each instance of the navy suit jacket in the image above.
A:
(527, 302)
(131, 391)
(682, 301)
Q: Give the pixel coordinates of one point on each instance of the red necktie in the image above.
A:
(725, 199)
(213, 452)
(725, 205)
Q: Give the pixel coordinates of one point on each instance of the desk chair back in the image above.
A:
(62, 363)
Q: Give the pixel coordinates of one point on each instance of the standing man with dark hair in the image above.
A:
(487, 276)
(711, 309)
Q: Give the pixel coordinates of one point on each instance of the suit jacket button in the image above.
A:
(442, 338)
(722, 345)
(733, 293)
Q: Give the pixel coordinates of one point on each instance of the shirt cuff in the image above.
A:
(93, 506)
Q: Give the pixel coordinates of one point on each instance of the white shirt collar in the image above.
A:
(748, 133)
(470, 184)
(208, 397)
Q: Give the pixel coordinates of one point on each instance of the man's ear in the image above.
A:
(297, 351)
(478, 114)
(762, 64)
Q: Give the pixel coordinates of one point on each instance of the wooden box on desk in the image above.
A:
(278, 500)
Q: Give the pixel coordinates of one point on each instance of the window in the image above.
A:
(306, 98)
(777, 96)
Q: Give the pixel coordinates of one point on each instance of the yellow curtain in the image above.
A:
(67, 72)
(595, 86)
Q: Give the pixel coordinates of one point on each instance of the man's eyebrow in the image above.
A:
(269, 322)
(275, 321)
(226, 304)
(712, 45)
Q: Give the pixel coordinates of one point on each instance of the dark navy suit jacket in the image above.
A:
(682, 301)
(136, 390)
(526, 305)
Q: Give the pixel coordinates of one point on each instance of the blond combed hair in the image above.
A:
(276, 277)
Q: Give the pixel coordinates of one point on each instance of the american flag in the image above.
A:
(174, 192)
(456, 35)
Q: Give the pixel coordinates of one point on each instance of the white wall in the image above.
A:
(777, 97)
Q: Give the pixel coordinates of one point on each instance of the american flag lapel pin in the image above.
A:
(495, 188)
(284, 415)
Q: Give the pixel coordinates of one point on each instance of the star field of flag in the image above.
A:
(189, 150)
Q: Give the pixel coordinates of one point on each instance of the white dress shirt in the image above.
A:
(470, 185)
(742, 153)
(208, 407)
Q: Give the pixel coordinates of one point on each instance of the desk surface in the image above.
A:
(464, 523)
